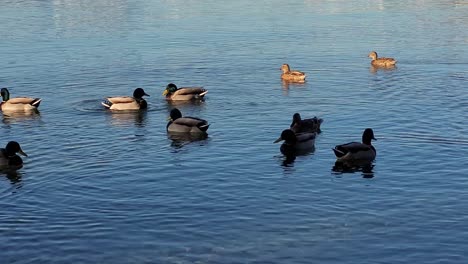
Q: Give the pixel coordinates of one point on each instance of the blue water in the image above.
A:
(99, 187)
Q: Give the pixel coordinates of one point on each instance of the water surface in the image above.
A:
(114, 188)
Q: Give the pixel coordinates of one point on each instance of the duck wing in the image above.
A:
(310, 125)
(25, 100)
(304, 137)
(191, 121)
(191, 90)
(352, 147)
(121, 99)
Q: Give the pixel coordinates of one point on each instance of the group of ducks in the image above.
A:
(300, 135)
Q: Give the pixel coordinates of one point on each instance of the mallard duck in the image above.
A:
(292, 75)
(126, 102)
(184, 93)
(311, 125)
(294, 143)
(18, 104)
(381, 62)
(356, 151)
(186, 124)
(8, 157)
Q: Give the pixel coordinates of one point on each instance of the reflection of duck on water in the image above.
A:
(365, 167)
(181, 139)
(122, 118)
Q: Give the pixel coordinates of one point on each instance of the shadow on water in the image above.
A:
(12, 174)
(179, 140)
(374, 69)
(365, 167)
(125, 118)
(286, 85)
(289, 157)
(16, 117)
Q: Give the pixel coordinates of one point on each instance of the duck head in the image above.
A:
(285, 68)
(139, 93)
(5, 94)
(175, 113)
(14, 147)
(170, 88)
(373, 55)
(296, 119)
(288, 136)
(368, 136)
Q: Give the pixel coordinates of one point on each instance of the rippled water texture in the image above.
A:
(103, 187)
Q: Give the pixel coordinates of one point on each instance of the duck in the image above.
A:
(381, 62)
(127, 102)
(356, 151)
(8, 156)
(18, 104)
(311, 125)
(292, 75)
(295, 142)
(184, 93)
(186, 124)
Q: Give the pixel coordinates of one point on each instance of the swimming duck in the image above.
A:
(126, 102)
(356, 151)
(8, 157)
(294, 143)
(18, 104)
(381, 62)
(292, 75)
(184, 93)
(311, 125)
(186, 124)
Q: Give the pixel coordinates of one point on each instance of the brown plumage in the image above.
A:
(184, 93)
(292, 75)
(381, 62)
(18, 104)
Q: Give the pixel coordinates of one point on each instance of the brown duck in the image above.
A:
(381, 62)
(292, 75)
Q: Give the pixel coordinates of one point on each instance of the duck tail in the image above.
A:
(106, 104)
(36, 102)
(204, 127)
(338, 153)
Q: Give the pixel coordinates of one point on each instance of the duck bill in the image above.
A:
(22, 153)
(165, 92)
(146, 94)
(169, 118)
(278, 140)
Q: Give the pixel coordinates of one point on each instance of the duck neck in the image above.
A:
(367, 141)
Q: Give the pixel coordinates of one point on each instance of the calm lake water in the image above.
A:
(113, 188)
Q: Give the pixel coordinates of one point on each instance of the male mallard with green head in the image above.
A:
(8, 157)
(292, 75)
(127, 102)
(18, 104)
(186, 124)
(294, 143)
(356, 151)
(381, 62)
(184, 93)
